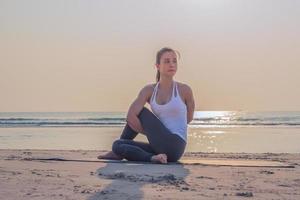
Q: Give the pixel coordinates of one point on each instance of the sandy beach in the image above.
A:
(38, 179)
(221, 75)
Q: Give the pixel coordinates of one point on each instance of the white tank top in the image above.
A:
(173, 114)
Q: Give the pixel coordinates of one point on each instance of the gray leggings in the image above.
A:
(161, 140)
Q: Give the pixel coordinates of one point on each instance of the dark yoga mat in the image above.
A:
(205, 162)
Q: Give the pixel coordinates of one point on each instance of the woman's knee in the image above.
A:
(173, 158)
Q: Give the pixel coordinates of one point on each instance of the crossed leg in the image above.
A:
(157, 135)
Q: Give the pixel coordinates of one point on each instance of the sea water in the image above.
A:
(210, 131)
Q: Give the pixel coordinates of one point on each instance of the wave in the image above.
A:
(123, 122)
(112, 119)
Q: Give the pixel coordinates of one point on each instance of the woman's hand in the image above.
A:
(134, 123)
(190, 103)
(136, 107)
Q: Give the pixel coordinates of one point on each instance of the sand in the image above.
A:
(25, 179)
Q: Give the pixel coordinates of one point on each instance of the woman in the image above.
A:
(173, 107)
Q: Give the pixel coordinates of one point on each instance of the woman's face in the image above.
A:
(168, 64)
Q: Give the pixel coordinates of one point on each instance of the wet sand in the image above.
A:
(229, 139)
(23, 179)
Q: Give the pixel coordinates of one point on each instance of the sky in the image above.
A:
(70, 56)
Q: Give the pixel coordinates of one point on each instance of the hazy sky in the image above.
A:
(96, 55)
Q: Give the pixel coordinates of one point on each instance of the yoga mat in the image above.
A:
(205, 162)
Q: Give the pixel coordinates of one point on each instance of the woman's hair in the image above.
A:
(158, 57)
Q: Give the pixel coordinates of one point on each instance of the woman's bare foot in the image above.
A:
(159, 158)
(110, 155)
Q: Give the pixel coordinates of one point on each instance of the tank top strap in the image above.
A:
(154, 92)
(175, 90)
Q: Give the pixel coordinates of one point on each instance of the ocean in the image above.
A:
(210, 131)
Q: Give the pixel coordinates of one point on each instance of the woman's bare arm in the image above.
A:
(136, 107)
(190, 103)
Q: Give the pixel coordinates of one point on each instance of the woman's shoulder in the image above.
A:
(184, 90)
(183, 86)
(149, 86)
(148, 89)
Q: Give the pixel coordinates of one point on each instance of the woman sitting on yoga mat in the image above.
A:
(173, 107)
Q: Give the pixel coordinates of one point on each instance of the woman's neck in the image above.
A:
(165, 83)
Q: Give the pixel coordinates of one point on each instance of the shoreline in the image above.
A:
(249, 140)
(22, 179)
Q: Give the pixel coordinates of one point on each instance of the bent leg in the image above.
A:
(133, 150)
(161, 139)
(128, 133)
